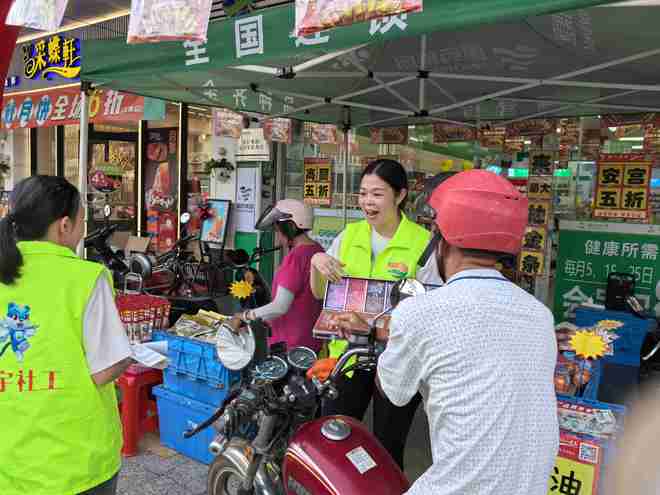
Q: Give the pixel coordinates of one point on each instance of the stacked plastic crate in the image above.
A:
(195, 384)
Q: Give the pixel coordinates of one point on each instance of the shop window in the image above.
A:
(46, 151)
(201, 148)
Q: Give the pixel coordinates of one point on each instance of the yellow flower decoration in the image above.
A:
(588, 345)
(241, 290)
(609, 324)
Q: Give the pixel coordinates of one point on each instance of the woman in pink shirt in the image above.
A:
(294, 309)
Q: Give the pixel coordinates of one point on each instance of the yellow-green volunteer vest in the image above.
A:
(397, 261)
(61, 434)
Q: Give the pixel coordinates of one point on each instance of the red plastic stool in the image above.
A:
(138, 410)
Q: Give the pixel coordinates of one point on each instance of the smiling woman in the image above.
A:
(384, 246)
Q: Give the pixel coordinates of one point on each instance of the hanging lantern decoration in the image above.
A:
(44, 15)
(152, 21)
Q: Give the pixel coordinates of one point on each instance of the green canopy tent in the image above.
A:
(460, 62)
(457, 61)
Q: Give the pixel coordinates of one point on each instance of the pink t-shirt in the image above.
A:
(295, 326)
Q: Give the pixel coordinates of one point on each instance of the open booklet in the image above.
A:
(366, 297)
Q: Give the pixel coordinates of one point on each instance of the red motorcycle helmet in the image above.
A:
(480, 210)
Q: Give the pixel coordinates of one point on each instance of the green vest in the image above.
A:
(61, 433)
(397, 261)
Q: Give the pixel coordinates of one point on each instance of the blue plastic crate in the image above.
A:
(196, 359)
(202, 391)
(176, 414)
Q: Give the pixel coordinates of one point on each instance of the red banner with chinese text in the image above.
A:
(8, 35)
(62, 107)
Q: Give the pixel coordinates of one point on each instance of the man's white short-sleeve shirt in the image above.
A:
(482, 352)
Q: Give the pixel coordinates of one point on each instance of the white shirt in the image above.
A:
(482, 352)
(427, 274)
(104, 334)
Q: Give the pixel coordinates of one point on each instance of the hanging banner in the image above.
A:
(278, 130)
(652, 137)
(62, 107)
(591, 142)
(622, 189)
(321, 133)
(569, 137)
(43, 15)
(532, 127)
(318, 182)
(253, 147)
(8, 35)
(389, 135)
(451, 133)
(624, 120)
(227, 123)
(542, 163)
(161, 186)
(313, 16)
(169, 20)
(492, 136)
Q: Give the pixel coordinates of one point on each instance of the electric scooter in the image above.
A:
(292, 452)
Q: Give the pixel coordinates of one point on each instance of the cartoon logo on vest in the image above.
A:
(18, 328)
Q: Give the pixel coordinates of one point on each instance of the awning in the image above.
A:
(459, 61)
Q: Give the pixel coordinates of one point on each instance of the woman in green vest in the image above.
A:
(386, 245)
(62, 345)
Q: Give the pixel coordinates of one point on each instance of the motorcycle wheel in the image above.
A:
(224, 478)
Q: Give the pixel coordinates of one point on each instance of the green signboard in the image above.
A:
(590, 251)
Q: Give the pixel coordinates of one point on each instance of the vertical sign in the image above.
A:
(622, 190)
(318, 181)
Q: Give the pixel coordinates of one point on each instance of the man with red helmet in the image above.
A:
(481, 350)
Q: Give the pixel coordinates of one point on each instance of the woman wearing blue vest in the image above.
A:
(386, 246)
(62, 345)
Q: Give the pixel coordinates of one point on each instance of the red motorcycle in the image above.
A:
(291, 452)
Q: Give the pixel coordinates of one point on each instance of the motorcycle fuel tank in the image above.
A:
(337, 455)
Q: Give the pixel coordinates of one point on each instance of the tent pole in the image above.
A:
(347, 129)
(396, 94)
(83, 156)
(422, 80)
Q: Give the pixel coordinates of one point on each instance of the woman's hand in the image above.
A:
(346, 324)
(235, 323)
(329, 267)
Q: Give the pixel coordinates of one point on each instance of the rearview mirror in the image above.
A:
(107, 211)
(404, 289)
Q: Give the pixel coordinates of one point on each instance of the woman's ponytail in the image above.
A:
(10, 257)
(35, 203)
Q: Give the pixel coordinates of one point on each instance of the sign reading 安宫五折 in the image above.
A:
(590, 251)
(56, 55)
(623, 187)
(318, 182)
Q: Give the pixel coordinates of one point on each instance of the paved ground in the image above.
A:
(158, 470)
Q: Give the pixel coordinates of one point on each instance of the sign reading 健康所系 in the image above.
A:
(590, 251)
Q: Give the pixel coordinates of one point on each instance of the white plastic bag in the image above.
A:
(45, 15)
(168, 20)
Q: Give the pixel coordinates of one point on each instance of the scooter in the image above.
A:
(292, 452)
